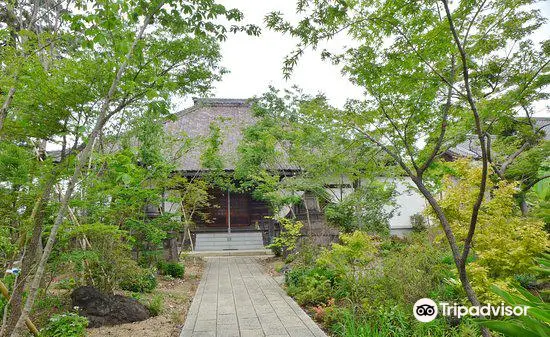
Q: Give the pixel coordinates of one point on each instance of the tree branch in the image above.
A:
(534, 182)
(446, 109)
(510, 159)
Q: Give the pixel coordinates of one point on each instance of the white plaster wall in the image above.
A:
(337, 194)
(409, 201)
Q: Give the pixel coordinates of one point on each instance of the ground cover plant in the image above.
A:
(367, 285)
(433, 78)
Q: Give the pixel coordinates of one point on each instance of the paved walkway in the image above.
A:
(237, 299)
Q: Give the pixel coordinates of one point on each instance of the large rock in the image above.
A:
(102, 309)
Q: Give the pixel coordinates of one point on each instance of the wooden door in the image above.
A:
(240, 212)
(218, 209)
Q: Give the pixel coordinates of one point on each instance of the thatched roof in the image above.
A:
(232, 116)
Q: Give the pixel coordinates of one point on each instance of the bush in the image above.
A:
(395, 321)
(336, 273)
(418, 222)
(536, 322)
(104, 260)
(66, 284)
(155, 305)
(310, 286)
(363, 286)
(356, 251)
(65, 325)
(384, 322)
(527, 281)
(306, 254)
(413, 272)
(505, 243)
(286, 242)
(140, 280)
(173, 269)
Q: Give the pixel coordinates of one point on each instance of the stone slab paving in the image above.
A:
(236, 298)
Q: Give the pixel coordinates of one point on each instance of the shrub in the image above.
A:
(337, 272)
(310, 286)
(67, 284)
(286, 242)
(383, 322)
(104, 259)
(65, 325)
(51, 302)
(535, 323)
(356, 251)
(526, 280)
(366, 287)
(139, 280)
(418, 222)
(173, 269)
(505, 243)
(155, 305)
(412, 273)
(395, 321)
(306, 254)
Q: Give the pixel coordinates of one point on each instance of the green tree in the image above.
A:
(286, 135)
(97, 69)
(420, 64)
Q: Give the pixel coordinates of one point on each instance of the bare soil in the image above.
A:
(271, 264)
(177, 295)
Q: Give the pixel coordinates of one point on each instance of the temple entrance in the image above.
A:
(234, 211)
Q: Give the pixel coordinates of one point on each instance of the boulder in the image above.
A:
(102, 309)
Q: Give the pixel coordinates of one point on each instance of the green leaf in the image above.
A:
(508, 328)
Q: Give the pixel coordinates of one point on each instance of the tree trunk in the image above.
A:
(457, 256)
(31, 253)
(5, 106)
(102, 118)
(172, 247)
(523, 204)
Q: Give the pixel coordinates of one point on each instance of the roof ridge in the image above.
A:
(218, 101)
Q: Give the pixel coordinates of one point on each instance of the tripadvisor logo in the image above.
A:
(426, 310)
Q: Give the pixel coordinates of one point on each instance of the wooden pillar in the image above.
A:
(228, 211)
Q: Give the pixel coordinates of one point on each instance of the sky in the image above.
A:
(255, 63)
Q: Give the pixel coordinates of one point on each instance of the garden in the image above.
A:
(367, 284)
(98, 220)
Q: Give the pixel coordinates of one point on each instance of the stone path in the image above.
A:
(236, 298)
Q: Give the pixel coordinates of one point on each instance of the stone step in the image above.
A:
(204, 246)
(238, 238)
(213, 253)
(225, 234)
(225, 241)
